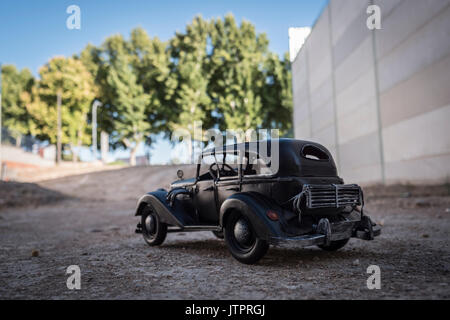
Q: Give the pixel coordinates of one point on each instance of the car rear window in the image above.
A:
(314, 153)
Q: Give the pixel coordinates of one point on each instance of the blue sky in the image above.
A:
(32, 32)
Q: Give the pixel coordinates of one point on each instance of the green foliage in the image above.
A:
(191, 75)
(151, 62)
(76, 85)
(238, 75)
(128, 99)
(277, 94)
(16, 87)
(227, 78)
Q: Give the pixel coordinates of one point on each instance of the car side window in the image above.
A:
(254, 166)
(261, 167)
(314, 153)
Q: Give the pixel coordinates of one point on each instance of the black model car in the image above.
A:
(252, 204)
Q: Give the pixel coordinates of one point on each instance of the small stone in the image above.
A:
(447, 210)
(425, 235)
(422, 203)
(406, 195)
(35, 253)
(355, 262)
(316, 258)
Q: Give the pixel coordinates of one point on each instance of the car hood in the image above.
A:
(182, 183)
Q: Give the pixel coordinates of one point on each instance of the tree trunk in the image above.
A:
(19, 141)
(190, 153)
(74, 154)
(133, 151)
(58, 128)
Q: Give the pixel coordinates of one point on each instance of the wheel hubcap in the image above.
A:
(243, 233)
(150, 224)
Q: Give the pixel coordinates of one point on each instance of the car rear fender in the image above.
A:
(255, 209)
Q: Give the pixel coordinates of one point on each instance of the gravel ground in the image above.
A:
(94, 229)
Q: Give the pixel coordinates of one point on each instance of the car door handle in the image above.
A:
(209, 189)
(233, 189)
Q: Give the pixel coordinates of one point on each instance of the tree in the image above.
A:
(16, 86)
(237, 81)
(151, 62)
(76, 84)
(128, 101)
(250, 86)
(191, 75)
(277, 94)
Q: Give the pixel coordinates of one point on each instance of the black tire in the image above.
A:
(153, 230)
(242, 241)
(218, 234)
(334, 245)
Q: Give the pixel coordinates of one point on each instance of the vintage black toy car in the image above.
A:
(252, 205)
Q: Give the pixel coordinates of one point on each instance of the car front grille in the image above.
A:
(332, 196)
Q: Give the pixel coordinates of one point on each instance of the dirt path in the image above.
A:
(95, 230)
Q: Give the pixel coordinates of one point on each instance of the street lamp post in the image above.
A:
(95, 105)
(58, 125)
(1, 163)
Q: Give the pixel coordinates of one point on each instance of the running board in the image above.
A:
(194, 228)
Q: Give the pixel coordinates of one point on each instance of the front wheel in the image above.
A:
(334, 245)
(153, 230)
(242, 241)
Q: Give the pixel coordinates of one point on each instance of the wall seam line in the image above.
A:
(377, 104)
(308, 90)
(333, 80)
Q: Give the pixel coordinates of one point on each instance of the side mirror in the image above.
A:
(180, 174)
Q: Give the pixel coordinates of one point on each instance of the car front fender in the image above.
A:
(157, 200)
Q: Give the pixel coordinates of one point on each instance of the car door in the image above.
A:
(228, 185)
(205, 202)
(205, 196)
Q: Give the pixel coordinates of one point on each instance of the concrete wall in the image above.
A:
(379, 100)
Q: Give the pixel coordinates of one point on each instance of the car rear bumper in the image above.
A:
(326, 232)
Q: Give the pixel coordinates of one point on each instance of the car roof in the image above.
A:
(284, 143)
(290, 159)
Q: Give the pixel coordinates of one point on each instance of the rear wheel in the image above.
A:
(334, 245)
(153, 230)
(242, 241)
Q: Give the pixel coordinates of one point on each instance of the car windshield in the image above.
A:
(225, 163)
